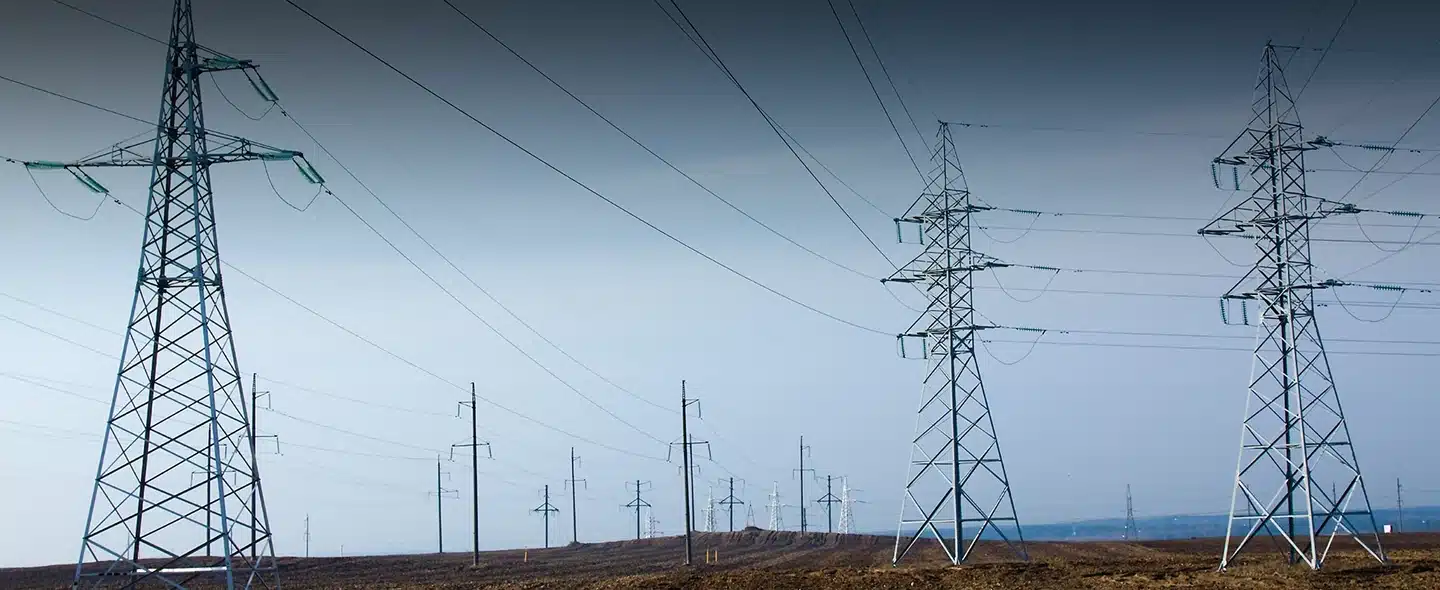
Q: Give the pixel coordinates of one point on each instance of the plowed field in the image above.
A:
(787, 560)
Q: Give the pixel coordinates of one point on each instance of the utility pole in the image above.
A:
(440, 495)
(255, 395)
(545, 510)
(730, 501)
(179, 396)
(829, 500)
(1294, 435)
(777, 519)
(307, 535)
(474, 445)
(1132, 532)
(573, 484)
(955, 459)
(687, 450)
(638, 503)
(804, 450)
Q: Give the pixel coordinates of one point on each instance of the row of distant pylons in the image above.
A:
(180, 410)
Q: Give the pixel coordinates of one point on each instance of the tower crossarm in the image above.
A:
(219, 148)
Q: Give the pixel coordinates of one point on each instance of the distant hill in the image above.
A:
(1184, 526)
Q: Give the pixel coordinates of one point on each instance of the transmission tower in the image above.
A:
(1399, 507)
(777, 519)
(638, 503)
(1132, 532)
(708, 512)
(829, 500)
(178, 405)
(474, 446)
(545, 510)
(957, 475)
(847, 506)
(749, 516)
(441, 494)
(574, 484)
(652, 529)
(1294, 438)
(730, 501)
(307, 535)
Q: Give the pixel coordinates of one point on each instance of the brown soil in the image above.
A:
(787, 560)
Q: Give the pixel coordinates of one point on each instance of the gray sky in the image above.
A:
(1078, 422)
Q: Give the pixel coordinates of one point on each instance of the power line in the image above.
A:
(699, 40)
(574, 180)
(647, 148)
(75, 100)
(487, 324)
(406, 257)
(898, 97)
(868, 80)
(1328, 45)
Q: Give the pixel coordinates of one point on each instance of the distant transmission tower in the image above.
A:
(1132, 532)
(1294, 435)
(749, 516)
(652, 529)
(708, 512)
(178, 404)
(545, 509)
(777, 519)
(847, 506)
(957, 475)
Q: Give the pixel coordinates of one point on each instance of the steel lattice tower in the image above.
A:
(1132, 532)
(1294, 439)
(178, 408)
(957, 477)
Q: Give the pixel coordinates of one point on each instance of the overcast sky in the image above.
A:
(1078, 422)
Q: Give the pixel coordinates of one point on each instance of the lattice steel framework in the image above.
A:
(1294, 439)
(957, 476)
(178, 408)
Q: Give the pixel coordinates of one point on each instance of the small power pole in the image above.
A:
(687, 450)
(1132, 532)
(829, 500)
(730, 501)
(255, 395)
(440, 495)
(638, 503)
(777, 520)
(474, 445)
(804, 451)
(307, 535)
(546, 510)
(573, 484)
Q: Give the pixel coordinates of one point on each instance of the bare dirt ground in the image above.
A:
(755, 559)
